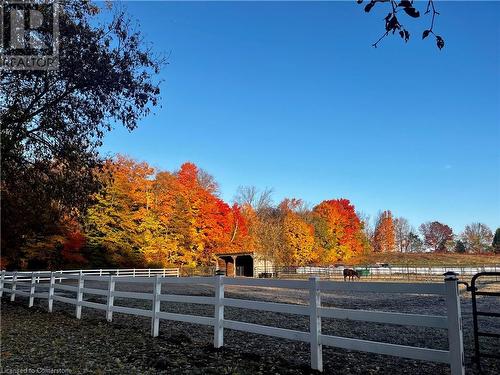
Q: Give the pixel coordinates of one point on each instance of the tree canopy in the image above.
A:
(53, 121)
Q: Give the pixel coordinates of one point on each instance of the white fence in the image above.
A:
(119, 272)
(451, 322)
(393, 272)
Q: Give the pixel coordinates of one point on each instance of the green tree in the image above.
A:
(415, 243)
(460, 247)
(496, 242)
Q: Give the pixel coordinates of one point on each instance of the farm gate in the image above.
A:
(478, 313)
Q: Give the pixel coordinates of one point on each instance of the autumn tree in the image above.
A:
(477, 237)
(298, 235)
(384, 238)
(119, 221)
(265, 223)
(367, 232)
(338, 230)
(156, 218)
(53, 122)
(402, 231)
(260, 201)
(436, 235)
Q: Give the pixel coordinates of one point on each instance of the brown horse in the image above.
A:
(350, 274)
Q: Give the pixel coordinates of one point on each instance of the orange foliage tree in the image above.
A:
(143, 217)
(385, 235)
(298, 236)
(338, 230)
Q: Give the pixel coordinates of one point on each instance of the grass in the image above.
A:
(429, 259)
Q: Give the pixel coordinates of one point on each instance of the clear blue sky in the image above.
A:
(292, 96)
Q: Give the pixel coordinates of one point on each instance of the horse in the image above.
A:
(350, 274)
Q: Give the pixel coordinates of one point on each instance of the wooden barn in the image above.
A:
(247, 264)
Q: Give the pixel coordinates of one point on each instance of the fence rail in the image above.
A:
(72, 274)
(412, 273)
(313, 309)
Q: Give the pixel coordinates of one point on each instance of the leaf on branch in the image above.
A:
(369, 6)
(425, 34)
(392, 24)
(359, 1)
(405, 4)
(412, 12)
(407, 35)
(439, 42)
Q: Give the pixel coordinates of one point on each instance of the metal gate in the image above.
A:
(475, 313)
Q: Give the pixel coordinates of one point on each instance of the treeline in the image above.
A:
(143, 217)
(396, 234)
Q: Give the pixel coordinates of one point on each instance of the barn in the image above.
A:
(245, 264)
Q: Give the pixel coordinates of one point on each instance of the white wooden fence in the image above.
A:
(119, 272)
(392, 272)
(451, 322)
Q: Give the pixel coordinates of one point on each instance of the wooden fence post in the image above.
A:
(315, 324)
(155, 321)
(79, 296)
(455, 335)
(111, 299)
(219, 312)
(51, 291)
(13, 287)
(32, 290)
(2, 278)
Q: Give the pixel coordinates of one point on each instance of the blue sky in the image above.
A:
(292, 96)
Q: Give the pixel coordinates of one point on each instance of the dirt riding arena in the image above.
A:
(59, 343)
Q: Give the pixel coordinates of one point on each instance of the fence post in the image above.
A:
(163, 272)
(315, 324)
(133, 272)
(32, 290)
(149, 272)
(79, 296)
(2, 278)
(100, 272)
(455, 335)
(13, 287)
(117, 272)
(111, 299)
(155, 321)
(51, 291)
(219, 312)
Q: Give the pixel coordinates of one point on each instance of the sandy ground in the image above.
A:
(35, 339)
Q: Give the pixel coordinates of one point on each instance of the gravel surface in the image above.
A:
(35, 341)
